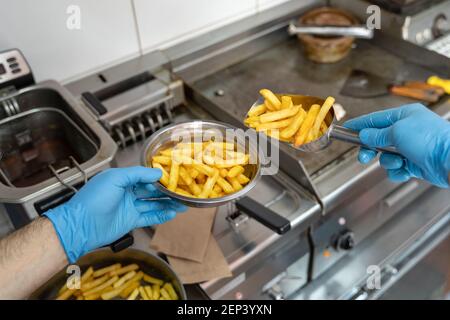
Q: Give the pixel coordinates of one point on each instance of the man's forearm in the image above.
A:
(28, 258)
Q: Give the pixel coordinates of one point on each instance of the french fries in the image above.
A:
(66, 294)
(134, 294)
(126, 269)
(117, 281)
(280, 119)
(143, 293)
(94, 283)
(156, 291)
(152, 280)
(209, 185)
(173, 176)
(163, 160)
(235, 183)
(302, 134)
(242, 179)
(165, 294)
(321, 116)
(323, 127)
(271, 99)
(278, 115)
(286, 102)
(274, 125)
(204, 170)
(102, 271)
(129, 289)
(235, 171)
(257, 110)
(226, 187)
(149, 292)
(101, 287)
(294, 126)
(122, 280)
(171, 291)
(165, 176)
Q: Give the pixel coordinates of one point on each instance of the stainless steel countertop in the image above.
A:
(399, 245)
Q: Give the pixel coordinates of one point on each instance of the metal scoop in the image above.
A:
(334, 132)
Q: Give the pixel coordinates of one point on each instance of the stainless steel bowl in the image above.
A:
(149, 263)
(334, 132)
(164, 138)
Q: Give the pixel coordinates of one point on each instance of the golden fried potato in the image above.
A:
(203, 172)
(302, 134)
(280, 119)
(115, 281)
(271, 98)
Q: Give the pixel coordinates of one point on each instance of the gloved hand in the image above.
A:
(419, 134)
(108, 207)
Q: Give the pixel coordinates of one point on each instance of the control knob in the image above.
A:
(345, 240)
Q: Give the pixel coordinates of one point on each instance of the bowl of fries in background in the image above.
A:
(202, 166)
(129, 274)
(301, 121)
(327, 49)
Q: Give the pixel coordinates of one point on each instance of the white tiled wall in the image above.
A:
(173, 20)
(111, 30)
(267, 4)
(39, 29)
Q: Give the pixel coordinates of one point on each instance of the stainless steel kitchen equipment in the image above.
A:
(421, 22)
(57, 138)
(129, 120)
(149, 263)
(196, 131)
(48, 144)
(15, 73)
(343, 216)
(355, 200)
(340, 133)
(333, 203)
(245, 241)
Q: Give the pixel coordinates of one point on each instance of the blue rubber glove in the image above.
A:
(108, 207)
(419, 134)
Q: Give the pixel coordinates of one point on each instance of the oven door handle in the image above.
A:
(263, 215)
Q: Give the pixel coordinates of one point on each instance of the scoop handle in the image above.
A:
(351, 136)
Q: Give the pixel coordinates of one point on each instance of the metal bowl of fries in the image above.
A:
(129, 274)
(205, 133)
(306, 123)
